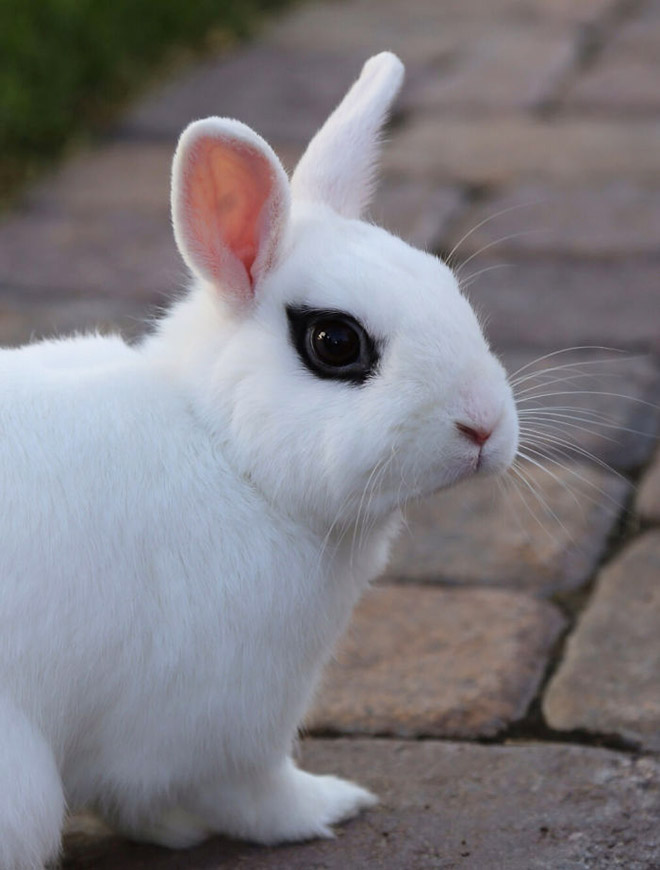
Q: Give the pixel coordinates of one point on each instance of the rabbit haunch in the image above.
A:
(189, 521)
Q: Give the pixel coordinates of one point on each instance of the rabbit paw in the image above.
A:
(288, 805)
(323, 801)
(304, 806)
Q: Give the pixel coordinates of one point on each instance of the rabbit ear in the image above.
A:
(230, 205)
(338, 166)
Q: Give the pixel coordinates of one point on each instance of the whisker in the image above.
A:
(579, 409)
(499, 241)
(326, 540)
(555, 425)
(547, 417)
(584, 480)
(594, 393)
(547, 377)
(519, 472)
(547, 471)
(530, 392)
(504, 483)
(564, 350)
(485, 221)
(466, 283)
(558, 443)
(515, 481)
(356, 524)
(576, 365)
(543, 414)
(376, 487)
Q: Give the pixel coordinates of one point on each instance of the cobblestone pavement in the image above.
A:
(500, 688)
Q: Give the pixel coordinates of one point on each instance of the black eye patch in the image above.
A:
(332, 344)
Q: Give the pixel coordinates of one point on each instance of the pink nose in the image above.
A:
(476, 435)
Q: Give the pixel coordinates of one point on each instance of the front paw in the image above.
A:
(332, 800)
(302, 806)
(286, 805)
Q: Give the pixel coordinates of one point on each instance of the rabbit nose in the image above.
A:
(476, 434)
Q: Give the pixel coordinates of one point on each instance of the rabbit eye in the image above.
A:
(335, 343)
(332, 344)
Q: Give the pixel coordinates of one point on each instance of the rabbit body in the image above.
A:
(163, 624)
(188, 522)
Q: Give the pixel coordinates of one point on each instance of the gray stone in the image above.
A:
(119, 253)
(639, 36)
(285, 95)
(481, 533)
(450, 805)
(113, 176)
(418, 33)
(561, 302)
(25, 320)
(648, 498)
(617, 85)
(548, 11)
(614, 219)
(413, 663)
(608, 680)
(502, 150)
(510, 68)
(375, 25)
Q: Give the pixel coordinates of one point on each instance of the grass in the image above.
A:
(67, 65)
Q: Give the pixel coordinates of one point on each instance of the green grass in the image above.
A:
(67, 65)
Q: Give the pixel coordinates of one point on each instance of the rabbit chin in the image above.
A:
(378, 505)
(462, 470)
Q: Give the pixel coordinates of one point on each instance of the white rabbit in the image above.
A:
(186, 524)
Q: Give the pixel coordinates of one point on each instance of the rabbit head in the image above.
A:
(341, 369)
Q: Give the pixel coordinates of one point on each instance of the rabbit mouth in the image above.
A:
(482, 464)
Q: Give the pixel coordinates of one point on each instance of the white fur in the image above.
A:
(187, 524)
(338, 167)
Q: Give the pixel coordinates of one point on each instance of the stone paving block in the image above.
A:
(555, 303)
(449, 805)
(639, 36)
(440, 662)
(562, 11)
(505, 150)
(617, 85)
(285, 95)
(511, 68)
(116, 175)
(613, 219)
(481, 533)
(420, 214)
(608, 681)
(27, 320)
(420, 34)
(648, 497)
(333, 24)
(119, 253)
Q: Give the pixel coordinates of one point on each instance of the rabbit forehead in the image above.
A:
(391, 287)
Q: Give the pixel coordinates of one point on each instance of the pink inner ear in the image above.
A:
(226, 189)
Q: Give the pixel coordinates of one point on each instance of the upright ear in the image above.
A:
(230, 205)
(339, 165)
